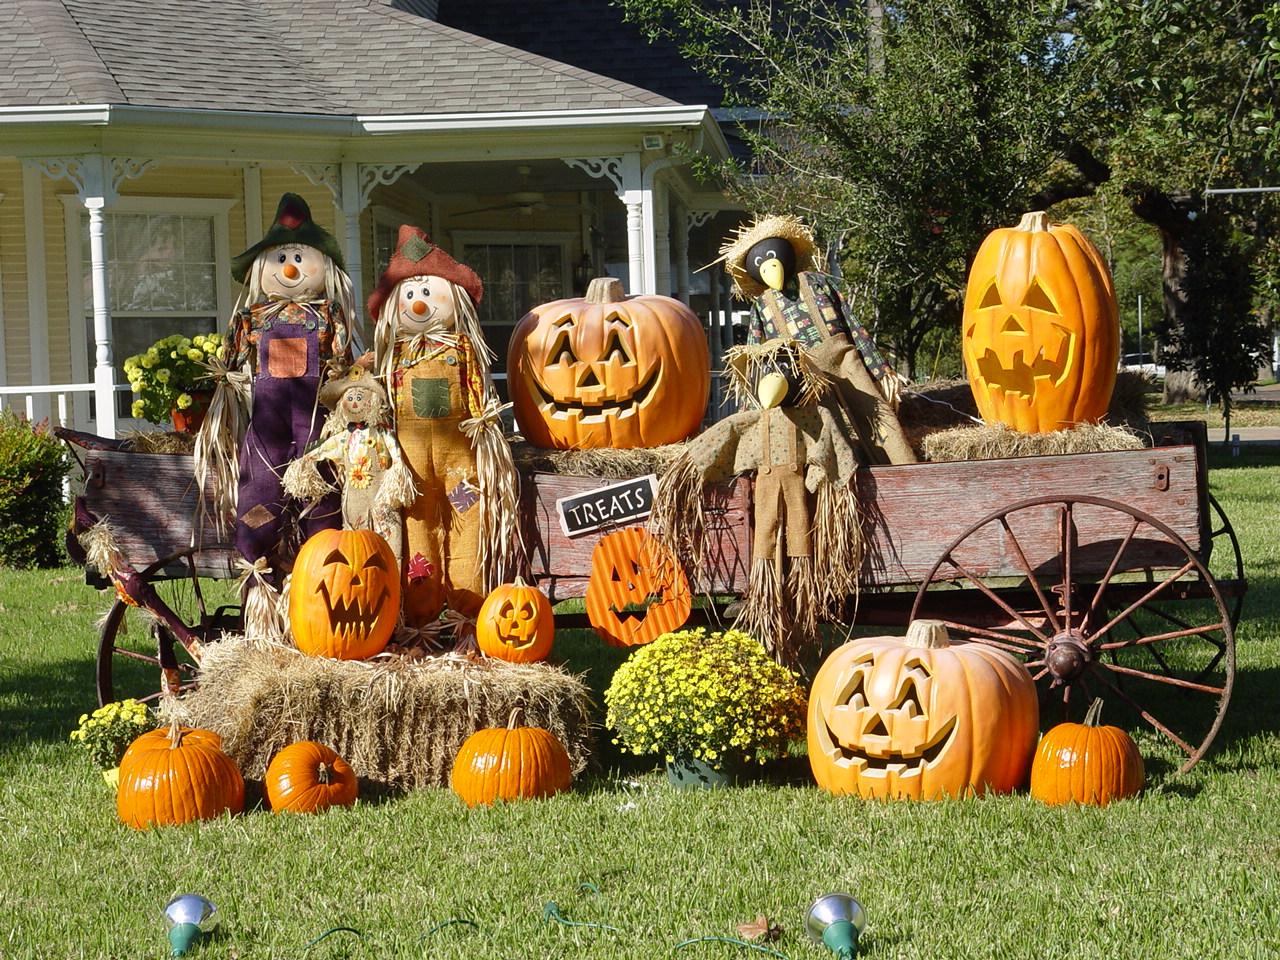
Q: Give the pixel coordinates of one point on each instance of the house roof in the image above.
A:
(328, 57)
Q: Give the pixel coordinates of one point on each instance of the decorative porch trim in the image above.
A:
(598, 168)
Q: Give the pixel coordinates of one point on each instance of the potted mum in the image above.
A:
(170, 380)
(106, 733)
(707, 702)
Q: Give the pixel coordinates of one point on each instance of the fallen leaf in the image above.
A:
(760, 929)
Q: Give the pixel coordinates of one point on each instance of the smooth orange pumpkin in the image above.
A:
(637, 590)
(345, 595)
(920, 718)
(511, 763)
(1086, 763)
(607, 370)
(516, 623)
(175, 775)
(308, 777)
(1041, 330)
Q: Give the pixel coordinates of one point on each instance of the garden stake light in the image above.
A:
(188, 917)
(836, 920)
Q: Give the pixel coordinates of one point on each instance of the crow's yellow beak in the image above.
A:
(771, 389)
(772, 273)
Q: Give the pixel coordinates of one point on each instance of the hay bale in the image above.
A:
(605, 463)
(397, 721)
(158, 441)
(996, 442)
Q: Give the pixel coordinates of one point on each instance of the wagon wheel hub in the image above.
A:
(1067, 656)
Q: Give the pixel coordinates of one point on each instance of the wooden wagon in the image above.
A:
(1112, 574)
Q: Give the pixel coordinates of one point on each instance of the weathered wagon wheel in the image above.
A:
(140, 657)
(1083, 589)
(1227, 559)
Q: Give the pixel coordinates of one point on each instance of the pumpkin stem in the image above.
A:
(605, 290)
(1095, 713)
(931, 634)
(1036, 220)
(322, 773)
(175, 733)
(517, 717)
(519, 581)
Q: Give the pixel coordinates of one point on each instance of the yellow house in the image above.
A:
(144, 145)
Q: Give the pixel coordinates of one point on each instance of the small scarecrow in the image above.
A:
(807, 548)
(462, 531)
(772, 265)
(293, 319)
(358, 441)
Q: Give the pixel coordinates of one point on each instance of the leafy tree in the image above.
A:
(904, 133)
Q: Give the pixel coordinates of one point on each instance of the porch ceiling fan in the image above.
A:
(524, 201)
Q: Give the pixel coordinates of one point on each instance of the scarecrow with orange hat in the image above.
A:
(461, 532)
(293, 319)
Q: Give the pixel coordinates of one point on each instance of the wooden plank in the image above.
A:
(917, 510)
(563, 565)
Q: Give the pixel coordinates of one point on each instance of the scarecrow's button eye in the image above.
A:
(991, 298)
(297, 258)
(335, 556)
(282, 258)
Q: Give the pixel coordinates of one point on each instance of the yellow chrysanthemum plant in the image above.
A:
(106, 733)
(170, 373)
(714, 697)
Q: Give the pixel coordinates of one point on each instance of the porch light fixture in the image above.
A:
(582, 272)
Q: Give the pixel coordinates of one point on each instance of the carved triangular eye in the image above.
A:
(1037, 299)
(335, 556)
(991, 298)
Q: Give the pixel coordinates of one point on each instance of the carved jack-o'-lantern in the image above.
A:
(345, 595)
(515, 623)
(918, 718)
(609, 371)
(637, 591)
(1041, 327)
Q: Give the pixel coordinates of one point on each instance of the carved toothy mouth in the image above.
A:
(635, 613)
(599, 411)
(1021, 377)
(355, 616)
(881, 764)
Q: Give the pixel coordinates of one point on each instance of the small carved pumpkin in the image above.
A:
(1041, 327)
(637, 591)
(1086, 763)
(514, 763)
(515, 623)
(609, 371)
(176, 775)
(918, 718)
(308, 777)
(345, 595)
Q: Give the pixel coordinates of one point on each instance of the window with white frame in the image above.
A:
(168, 268)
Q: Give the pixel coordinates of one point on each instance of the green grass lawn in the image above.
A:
(1187, 870)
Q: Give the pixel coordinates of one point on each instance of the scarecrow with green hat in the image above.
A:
(772, 264)
(293, 319)
(461, 532)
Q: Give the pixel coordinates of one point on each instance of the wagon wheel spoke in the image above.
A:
(1018, 552)
(997, 600)
(1068, 534)
(1141, 639)
(1143, 600)
(1147, 716)
(1095, 605)
(994, 638)
(1164, 677)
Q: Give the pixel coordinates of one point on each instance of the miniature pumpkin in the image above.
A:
(511, 763)
(637, 591)
(345, 595)
(175, 775)
(1041, 327)
(515, 623)
(918, 718)
(608, 370)
(308, 777)
(1086, 763)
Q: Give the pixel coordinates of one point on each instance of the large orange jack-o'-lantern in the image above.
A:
(344, 598)
(609, 371)
(1041, 327)
(918, 718)
(637, 591)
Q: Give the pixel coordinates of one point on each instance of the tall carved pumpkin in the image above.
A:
(637, 590)
(609, 370)
(175, 775)
(345, 595)
(516, 623)
(1041, 328)
(918, 718)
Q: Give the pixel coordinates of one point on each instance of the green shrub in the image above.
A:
(33, 463)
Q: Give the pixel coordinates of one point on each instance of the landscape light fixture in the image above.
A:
(836, 920)
(188, 917)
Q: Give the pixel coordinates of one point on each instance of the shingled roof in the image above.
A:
(334, 57)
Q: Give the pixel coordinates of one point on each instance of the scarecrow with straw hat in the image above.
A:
(292, 320)
(461, 532)
(772, 264)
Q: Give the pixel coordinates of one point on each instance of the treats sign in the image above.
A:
(615, 505)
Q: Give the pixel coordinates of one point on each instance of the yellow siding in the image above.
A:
(13, 274)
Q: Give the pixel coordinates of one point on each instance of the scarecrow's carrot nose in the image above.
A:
(419, 307)
(290, 271)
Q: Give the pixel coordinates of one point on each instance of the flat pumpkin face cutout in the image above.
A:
(345, 595)
(637, 591)
(516, 623)
(1041, 328)
(917, 718)
(609, 371)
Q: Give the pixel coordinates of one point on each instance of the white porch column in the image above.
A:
(351, 206)
(37, 293)
(681, 239)
(661, 239)
(96, 189)
(627, 177)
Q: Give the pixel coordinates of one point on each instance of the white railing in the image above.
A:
(34, 401)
